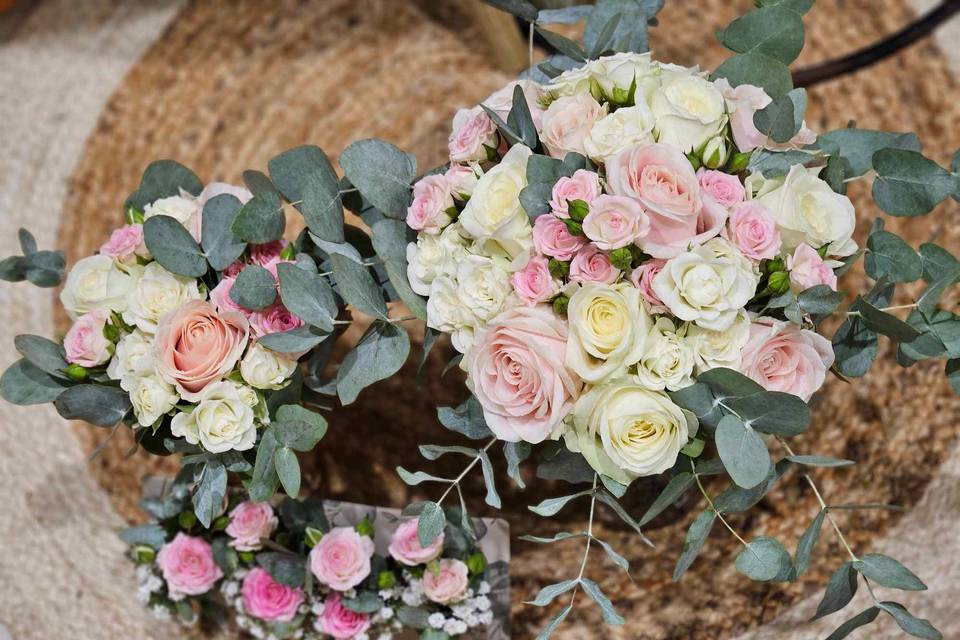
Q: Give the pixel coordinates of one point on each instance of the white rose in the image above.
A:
(615, 74)
(806, 209)
(494, 213)
(266, 369)
(431, 256)
(708, 285)
(567, 123)
(689, 110)
(98, 282)
(132, 359)
(446, 313)
(571, 82)
(712, 349)
(157, 293)
(222, 421)
(626, 431)
(151, 398)
(482, 286)
(183, 208)
(608, 330)
(668, 358)
(626, 127)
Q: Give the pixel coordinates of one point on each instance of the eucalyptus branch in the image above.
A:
(586, 550)
(456, 482)
(703, 491)
(898, 307)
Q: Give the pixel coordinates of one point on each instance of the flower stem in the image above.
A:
(696, 476)
(586, 550)
(466, 470)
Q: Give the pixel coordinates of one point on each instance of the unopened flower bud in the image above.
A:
(715, 153)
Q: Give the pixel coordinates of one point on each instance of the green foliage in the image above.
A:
(286, 568)
(542, 173)
(515, 453)
(888, 572)
(781, 119)
(173, 247)
(97, 404)
(861, 619)
(520, 120)
(254, 288)
(390, 240)
(431, 523)
(466, 419)
(220, 245)
(763, 559)
(383, 174)
(307, 295)
(630, 32)
(163, 179)
(46, 355)
(916, 627)
(288, 470)
(261, 219)
(857, 146)
(552, 506)
(357, 287)
(610, 615)
(677, 486)
(908, 184)
(295, 340)
(40, 268)
(379, 354)
(209, 492)
(840, 591)
(492, 498)
(854, 343)
(742, 451)
(890, 258)
(696, 536)
(549, 593)
(807, 543)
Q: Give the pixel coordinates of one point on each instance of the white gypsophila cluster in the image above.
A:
(149, 582)
(412, 594)
(473, 611)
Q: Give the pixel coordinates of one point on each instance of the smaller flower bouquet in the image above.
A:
(280, 569)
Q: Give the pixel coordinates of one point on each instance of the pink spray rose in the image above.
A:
(516, 370)
(753, 230)
(447, 585)
(195, 346)
(462, 180)
(582, 185)
(745, 100)
(125, 243)
(431, 199)
(341, 560)
(780, 356)
(187, 565)
(267, 599)
(552, 238)
(249, 523)
(533, 283)
(234, 268)
(215, 189)
(406, 549)
(220, 296)
(592, 265)
(340, 622)
(662, 179)
(642, 278)
(501, 100)
(615, 222)
(725, 188)
(274, 319)
(85, 343)
(567, 123)
(808, 269)
(268, 253)
(472, 130)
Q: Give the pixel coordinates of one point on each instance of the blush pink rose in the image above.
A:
(187, 565)
(726, 189)
(745, 100)
(808, 269)
(582, 185)
(753, 230)
(341, 560)
(462, 179)
(552, 238)
(250, 522)
(125, 243)
(267, 254)
(220, 296)
(215, 189)
(448, 584)
(663, 181)
(406, 549)
(592, 265)
(340, 622)
(567, 123)
(267, 599)
(780, 356)
(196, 346)
(515, 369)
(615, 222)
(431, 199)
(85, 343)
(501, 100)
(274, 319)
(534, 284)
(642, 278)
(472, 131)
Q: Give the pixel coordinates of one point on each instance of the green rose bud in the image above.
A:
(477, 563)
(134, 216)
(312, 536)
(774, 265)
(246, 556)
(434, 567)
(779, 281)
(578, 209)
(111, 333)
(76, 372)
(187, 519)
(365, 527)
(574, 227)
(621, 258)
(386, 580)
(560, 305)
(143, 554)
(221, 523)
(694, 161)
(289, 252)
(558, 269)
(715, 152)
(739, 162)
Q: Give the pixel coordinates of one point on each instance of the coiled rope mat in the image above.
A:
(225, 87)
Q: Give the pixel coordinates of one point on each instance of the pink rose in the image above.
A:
(642, 278)
(431, 199)
(462, 180)
(85, 343)
(592, 265)
(234, 269)
(125, 243)
(533, 283)
(267, 599)
(274, 319)
(268, 254)
(249, 523)
(745, 100)
(515, 369)
(726, 189)
(340, 622)
(187, 565)
(472, 131)
(215, 189)
(195, 346)
(808, 269)
(567, 122)
(582, 185)
(501, 100)
(662, 179)
(615, 222)
(552, 238)
(780, 356)
(220, 296)
(753, 230)
(448, 584)
(406, 549)
(341, 560)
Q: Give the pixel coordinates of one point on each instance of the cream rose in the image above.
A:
(157, 293)
(184, 208)
(667, 361)
(806, 209)
(483, 286)
(446, 313)
(98, 283)
(571, 82)
(615, 74)
(689, 110)
(431, 256)
(151, 398)
(626, 431)
(266, 369)
(622, 129)
(132, 358)
(221, 421)
(707, 285)
(568, 121)
(608, 330)
(712, 349)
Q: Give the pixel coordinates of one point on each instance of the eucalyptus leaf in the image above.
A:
(357, 286)
(379, 354)
(743, 452)
(857, 146)
(94, 403)
(492, 498)
(288, 569)
(258, 182)
(820, 461)
(383, 174)
(891, 259)
(44, 268)
(807, 543)
(552, 506)
(44, 354)
(520, 8)
(564, 45)
(307, 295)
(762, 559)
(321, 206)
(908, 184)
(888, 572)
(208, 495)
(390, 240)
(163, 179)
(220, 245)
(631, 32)
(467, 419)
(413, 478)
(515, 453)
(677, 486)
(772, 31)
(173, 247)
(293, 341)
(696, 536)
(291, 169)
(863, 618)
(772, 412)
(260, 220)
(254, 288)
(549, 593)
(610, 615)
(288, 470)
(564, 15)
(840, 591)
(555, 622)
(152, 535)
(917, 627)
(781, 119)
(430, 524)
